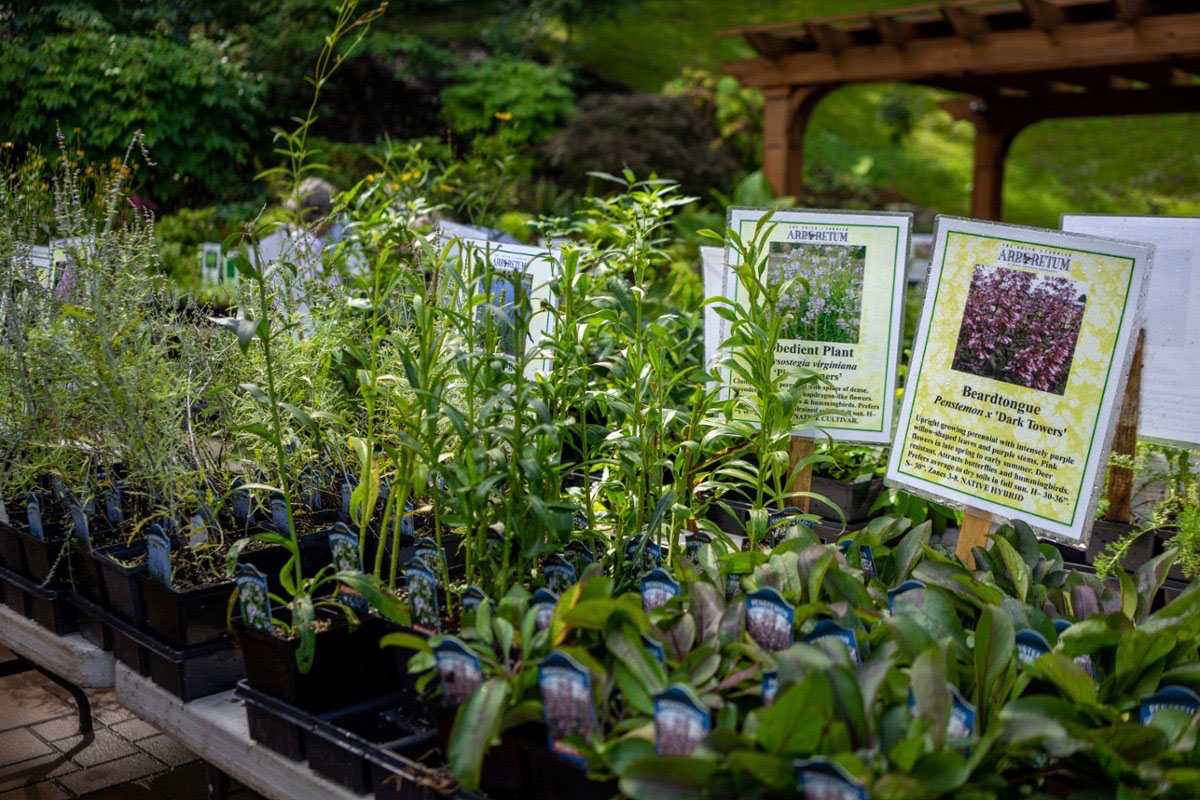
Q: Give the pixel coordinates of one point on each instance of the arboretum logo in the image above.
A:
(1038, 259)
(834, 235)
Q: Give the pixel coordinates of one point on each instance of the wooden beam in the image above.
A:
(964, 22)
(768, 45)
(1129, 11)
(1044, 15)
(1027, 110)
(1120, 479)
(892, 30)
(829, 38)
(1090, 45)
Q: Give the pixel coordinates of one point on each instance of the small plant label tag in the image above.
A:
(642, 555)
(1169, 698)
(866, 558)
(79, 522)
(567, 704)
(693, 543)
(559, 573)
(408, 522)
(783, 523)
(343, 548)
(459, 668)
(158, 555)
(733, 585)
(770, 686)
(426, 550)
(112, 506)
(829, 633)
(961, 722)
(494, 542)
(1031, 646)
(769, 619)
(544, 601)
(4, 513)
(422, 595)
(681, 720)
(310, 488)
(33, 516)
(254, 598)
(279, 515)
(1084, 661)
(655, 649)
(197, 530)
(241, 504)
(910, 594)
(822, 779)
(473, 598)
(579, 555)
(658, 588)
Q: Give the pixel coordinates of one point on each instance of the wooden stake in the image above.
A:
(801, 448)
(1120, 479)
(973, 533)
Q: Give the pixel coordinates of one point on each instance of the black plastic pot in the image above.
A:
(12, 555)
(853, 498)
(397, 777)
(42, 556)
(273, 723)
(186, 618)
(93, 627)
(349, 666)
(50, 608)
(556, 779)
(122, 589)
(506, 771)
(130, 652)
(337, 745)
(15, 597)
(85, 571)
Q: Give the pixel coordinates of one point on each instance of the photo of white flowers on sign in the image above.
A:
(831, 309)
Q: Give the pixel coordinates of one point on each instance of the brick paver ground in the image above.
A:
(44, 757)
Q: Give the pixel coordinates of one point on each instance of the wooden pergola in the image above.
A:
(1017, 62)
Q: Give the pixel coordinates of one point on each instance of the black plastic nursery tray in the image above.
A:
(188, 673)
(50, 608)
(397, 777)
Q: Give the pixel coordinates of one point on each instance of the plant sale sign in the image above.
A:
(1018, 372)
(847, 325)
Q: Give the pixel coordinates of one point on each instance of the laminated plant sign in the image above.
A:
(279, 515)
(770, 687)
(518, 282)
(473, 598)
(197, 530)
(240, 500)
(960, 724)
(641, 554)
(346, 557)
(693, 543)
(559, 573)
(769, 619)
(1031, 646)
(579, 555)
(658, 588)
(1018, 372)
(783, 521)
(866, 557)
(544, 601)
(254, 599)
(822, 779)
(79, 522)
(567, 704)
(408, 524)
(829, 631)
(655, 649)
(158, 555)
(681, 720)
(426, 550)
(1169, 698)
(910, 594)
(33, 516)
(460, 670)
(347, 494)
(712, 265)
(1084, 661)
(1169, 403)
(846, 325)
(422, 595)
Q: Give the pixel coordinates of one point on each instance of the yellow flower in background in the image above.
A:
(374, 176)
(392, 187)
(504, 115)
(445, 187)
(408, 176)
(8, 144)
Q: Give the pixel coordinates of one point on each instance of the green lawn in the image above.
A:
(1135, 165)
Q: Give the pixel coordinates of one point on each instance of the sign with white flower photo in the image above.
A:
(1018, 372)
(843, 307)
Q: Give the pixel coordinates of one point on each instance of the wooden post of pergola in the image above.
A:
(1017, 63)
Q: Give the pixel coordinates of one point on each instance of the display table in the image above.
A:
(214, 728)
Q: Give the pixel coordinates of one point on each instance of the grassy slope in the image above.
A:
(1135, 165)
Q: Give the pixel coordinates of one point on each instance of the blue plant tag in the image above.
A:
(781, 522)
(279, 515)
(579, 555)
(422, 595)
(426, 550)
(866, 558)
(822, 779)
(58, 489)
(828, 631)
(33, 515)
(1031, 646)
(680, 721)
(649, 558)
(567, 705)
(343, 547)
(254, 598)
(472, 598)
(961, 724)
(1084, 661)
(769, 619)
(494, 542)
(114, 508)
(347, 491)
(693, 543)
(770, 686)
(459, 668)
(909, 593)
(79, 522)
(158, 555)
(1174, 698)
(408, 522)
(197, 530)
(544, 601)
(579, 521)
(655, 649)
(241, 504)
(310, 488)
(559, 573)
(658, 588)
(733, 585)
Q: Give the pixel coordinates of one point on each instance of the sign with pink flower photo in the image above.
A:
(1018, 370)
(842, 305)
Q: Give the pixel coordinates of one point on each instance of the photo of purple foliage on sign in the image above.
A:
(769, 620)
(567, 703)
(1020, 327)
(831, 310)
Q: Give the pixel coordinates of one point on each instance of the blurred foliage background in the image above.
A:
(515, 101)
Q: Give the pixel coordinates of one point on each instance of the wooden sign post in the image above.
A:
(972, 533)
(1120, 479)
(802, 447)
